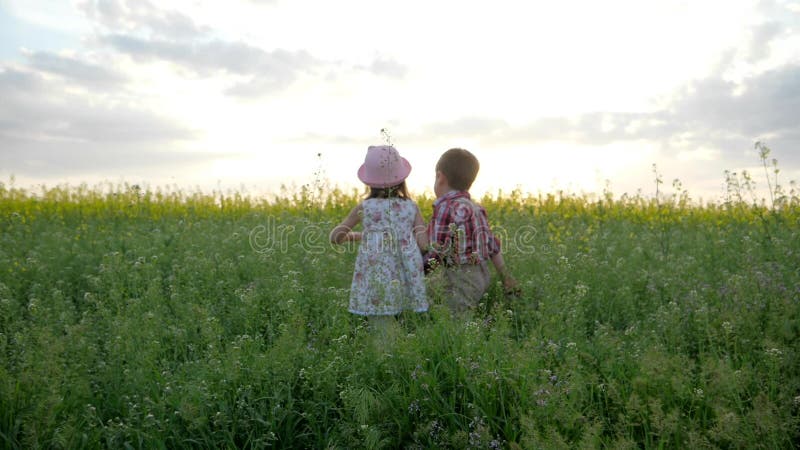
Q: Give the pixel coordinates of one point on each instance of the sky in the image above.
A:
(252, 95)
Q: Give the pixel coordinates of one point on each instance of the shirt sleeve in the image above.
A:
(492, 242)
(438, 229)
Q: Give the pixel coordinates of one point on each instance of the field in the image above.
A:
(135, 318)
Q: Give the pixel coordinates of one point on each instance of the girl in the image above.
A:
(388, 276)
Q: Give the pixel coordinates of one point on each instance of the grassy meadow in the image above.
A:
(135, 318)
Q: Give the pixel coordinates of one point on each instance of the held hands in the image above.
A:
(340, 235)
(430, 259)
(344, 231)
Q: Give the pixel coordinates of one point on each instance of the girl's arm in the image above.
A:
(344, 231)
(421, 233)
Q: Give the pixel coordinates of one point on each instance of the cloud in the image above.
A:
(258, 86)
(233, 57)
(140, 16)
(47, 130)
(268, 71)
(49, 159)
(467, 127)
(147, 33)
(76, 70)
(590, 128)
(761, 37)
(706, 114)
(706, 120)
(717, 113)
(312, 137)
(41, 109)
(386, 67)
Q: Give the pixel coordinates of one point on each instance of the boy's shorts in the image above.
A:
(464, 285)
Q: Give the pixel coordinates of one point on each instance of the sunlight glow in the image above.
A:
(549, 95)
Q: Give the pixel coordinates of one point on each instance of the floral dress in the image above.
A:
(388, 277)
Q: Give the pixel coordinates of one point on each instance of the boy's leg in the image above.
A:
(465, 286)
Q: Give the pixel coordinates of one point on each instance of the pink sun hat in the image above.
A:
(383, 167)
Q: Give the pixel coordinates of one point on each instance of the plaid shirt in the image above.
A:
(459, 231)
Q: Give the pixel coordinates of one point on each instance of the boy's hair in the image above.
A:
(460, 167)
(397, 191)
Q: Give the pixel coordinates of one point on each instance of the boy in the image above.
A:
(461, 240)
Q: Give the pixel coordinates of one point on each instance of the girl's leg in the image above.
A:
(384, 331)
(381, 324)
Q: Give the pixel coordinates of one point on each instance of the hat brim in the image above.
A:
(385, 181)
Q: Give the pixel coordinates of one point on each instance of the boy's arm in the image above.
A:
(344, 231)
(510, 285)
(421, 233)
(436, 236)
(438, 230)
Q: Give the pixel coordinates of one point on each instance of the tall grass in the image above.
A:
(166, 319)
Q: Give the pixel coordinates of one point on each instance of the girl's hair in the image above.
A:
(396, 191)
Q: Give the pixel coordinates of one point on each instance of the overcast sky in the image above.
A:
(249, 94)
